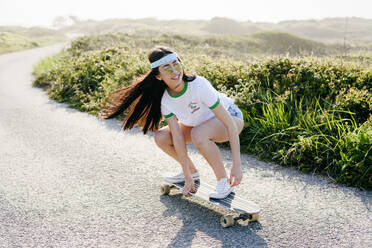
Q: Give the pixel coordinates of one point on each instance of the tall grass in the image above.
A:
(315, 115)
(14, 38)
(311, 138)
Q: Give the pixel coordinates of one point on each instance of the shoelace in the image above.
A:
(179, 175)
(182, 175)
(221, 186)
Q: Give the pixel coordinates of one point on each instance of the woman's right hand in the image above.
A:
(188, 187)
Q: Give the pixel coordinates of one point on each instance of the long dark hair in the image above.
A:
(142, 98)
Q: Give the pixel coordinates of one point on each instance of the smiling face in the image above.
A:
(172, 74)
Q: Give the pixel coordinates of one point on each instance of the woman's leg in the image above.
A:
(163, 138)
(204, 137)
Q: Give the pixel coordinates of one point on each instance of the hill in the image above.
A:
(353, 30)
(14, 38)
(13, 42)
(240, 47)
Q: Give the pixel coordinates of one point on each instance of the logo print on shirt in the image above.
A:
(193, 106)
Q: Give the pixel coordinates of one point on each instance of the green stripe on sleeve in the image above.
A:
(167, 116)
(215, 105)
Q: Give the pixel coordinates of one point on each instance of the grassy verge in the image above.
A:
(12, 42)
(310, 113)
(17, 38)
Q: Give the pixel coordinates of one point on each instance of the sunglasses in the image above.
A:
(168, 69)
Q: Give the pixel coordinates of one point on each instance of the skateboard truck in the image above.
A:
(229, 220)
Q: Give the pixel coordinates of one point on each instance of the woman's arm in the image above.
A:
(179, 144)
(222, 114)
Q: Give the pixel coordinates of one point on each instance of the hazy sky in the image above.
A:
(42, 12)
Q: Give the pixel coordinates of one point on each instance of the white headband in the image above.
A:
(164, 60)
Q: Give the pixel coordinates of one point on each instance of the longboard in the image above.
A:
(246, 210)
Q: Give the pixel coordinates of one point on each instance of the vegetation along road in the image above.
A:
(69, 179)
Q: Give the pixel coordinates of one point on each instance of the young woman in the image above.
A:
(195, 113)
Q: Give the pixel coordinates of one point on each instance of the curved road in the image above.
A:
(69, 179)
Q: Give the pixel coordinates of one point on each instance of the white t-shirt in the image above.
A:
(195, 103)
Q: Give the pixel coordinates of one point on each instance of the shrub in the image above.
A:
(312, 114)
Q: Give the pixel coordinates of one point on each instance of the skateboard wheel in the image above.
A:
(227, 221)
(254, 217)
(165, 189)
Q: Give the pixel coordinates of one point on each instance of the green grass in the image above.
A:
(314, 114)
(13, 42)
(19, 38)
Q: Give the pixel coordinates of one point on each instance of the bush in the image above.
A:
(355, 164)
(308, 113)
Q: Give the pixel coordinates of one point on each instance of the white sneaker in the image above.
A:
(179, 178)
(222, 189)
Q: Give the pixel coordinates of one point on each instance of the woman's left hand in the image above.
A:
(236, 175)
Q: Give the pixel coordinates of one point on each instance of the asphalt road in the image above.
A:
(69, 179)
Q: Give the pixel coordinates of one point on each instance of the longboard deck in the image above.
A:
(231, 202)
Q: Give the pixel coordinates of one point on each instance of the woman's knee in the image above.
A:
(239, 125)
(197, 137)
(162, 138)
